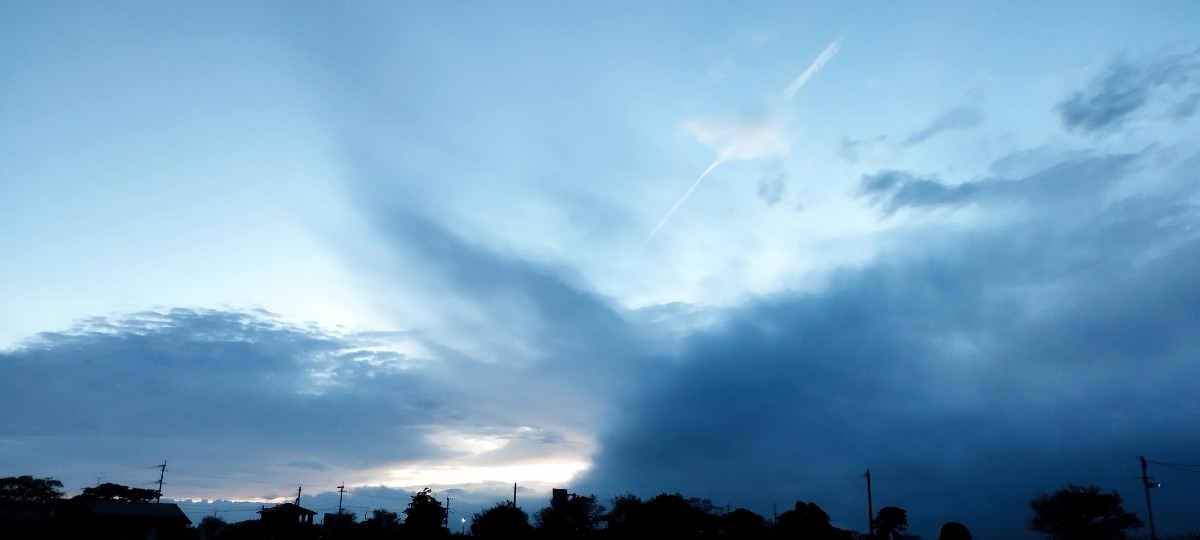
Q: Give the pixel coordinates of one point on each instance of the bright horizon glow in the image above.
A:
(547, 473)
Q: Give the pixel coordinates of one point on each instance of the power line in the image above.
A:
(1177, 466)
(1171, 464)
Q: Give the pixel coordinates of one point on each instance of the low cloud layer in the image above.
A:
(244, 397)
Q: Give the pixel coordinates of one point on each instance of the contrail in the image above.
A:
(720, 159)
(788, 92)
(813, 68)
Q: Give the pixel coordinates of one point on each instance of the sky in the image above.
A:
(744, 252)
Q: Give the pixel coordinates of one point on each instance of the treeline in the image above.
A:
(41, 490)
(1071, 513)
(572, 516)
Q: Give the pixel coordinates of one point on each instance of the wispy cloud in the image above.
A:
(771, 188)
(1064, 183)
(954, 119)
(1125, 87)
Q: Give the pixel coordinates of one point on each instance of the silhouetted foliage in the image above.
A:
(890, 523)
(622, 512)
(210, 527)
(744, 524)
(117, 492)
(569, 516)
(1079, 513)
(382, 525)
(504, 520)
(808, 521)
(954, 531)
(669, 516)
(29, 489)
(425, 516)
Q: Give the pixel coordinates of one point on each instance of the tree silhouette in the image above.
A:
(29, 489)
(425, 516)
(670, 516)
(623, 513)
(1081, 513)
(953, 530)
(116, 492)
(805, 520)
(890, 522)
(744, 524)
(504, 520)
(569, 515)
(210, 527)
(382, 525)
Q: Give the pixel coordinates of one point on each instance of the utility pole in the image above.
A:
(298, 491)
(447, 511)
(162, 471)
(1146, 485)
(514, 494)
(870, 507)
(341, 490)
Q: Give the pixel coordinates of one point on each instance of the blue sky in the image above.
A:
(744, 252)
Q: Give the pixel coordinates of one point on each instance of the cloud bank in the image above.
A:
(1053, 349)
(246, 398)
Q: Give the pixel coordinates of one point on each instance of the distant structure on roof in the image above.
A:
(287, 514)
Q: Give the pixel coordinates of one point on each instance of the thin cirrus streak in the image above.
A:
(720, 159)
(816, 65)
(795, 86)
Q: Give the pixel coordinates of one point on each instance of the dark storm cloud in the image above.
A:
(968, 373)
(1124, 87)
(955, 119)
